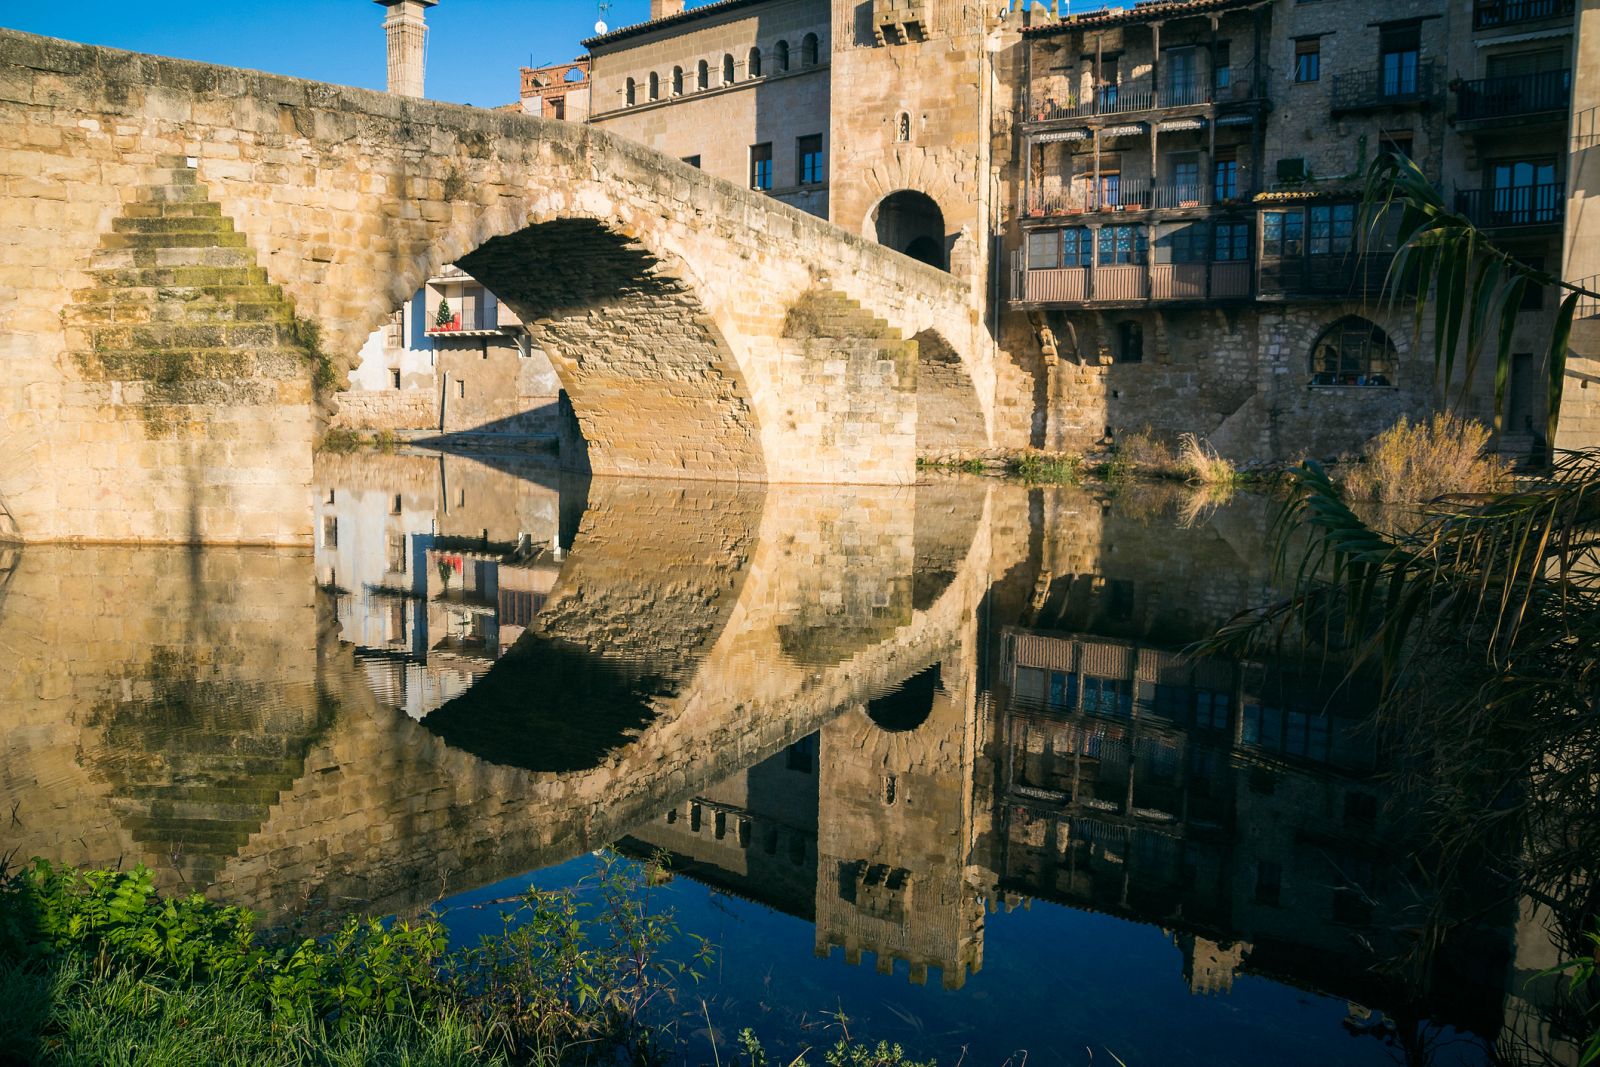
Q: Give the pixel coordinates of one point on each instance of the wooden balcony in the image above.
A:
(1132, 283)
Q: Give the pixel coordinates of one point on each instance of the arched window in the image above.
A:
(1353, 351)
(727, 70)
(808, 50)
(631, 94)
(754, 70)
(702, 75)
(780, 56)
(677, 81)
(902, 127)
(655, 86)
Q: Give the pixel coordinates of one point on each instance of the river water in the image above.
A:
(930, 756)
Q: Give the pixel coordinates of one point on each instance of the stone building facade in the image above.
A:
(559, 91)
(1187, 203)
(453, 359)
(739, 88)
(1156, 207)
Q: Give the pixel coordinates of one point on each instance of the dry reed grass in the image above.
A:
(1413, 462)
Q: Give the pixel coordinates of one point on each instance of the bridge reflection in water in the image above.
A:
(893, 713)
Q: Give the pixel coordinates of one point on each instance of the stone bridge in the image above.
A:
(207, 731)
(188, 253)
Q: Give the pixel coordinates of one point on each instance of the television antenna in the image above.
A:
(600, 23)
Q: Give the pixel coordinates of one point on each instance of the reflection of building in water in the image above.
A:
(863, 828)
(1236, 804)
(428, 604)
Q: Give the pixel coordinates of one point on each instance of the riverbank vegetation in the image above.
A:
(98, 968)
(1414, 462)
(341, 441)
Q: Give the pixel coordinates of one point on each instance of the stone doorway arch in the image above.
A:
(909, 221)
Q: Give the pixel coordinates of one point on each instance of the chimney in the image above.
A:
(408, 38)
(661, 9)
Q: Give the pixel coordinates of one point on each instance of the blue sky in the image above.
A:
(474, 50)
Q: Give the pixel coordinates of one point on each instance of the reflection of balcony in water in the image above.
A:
(1238, 804)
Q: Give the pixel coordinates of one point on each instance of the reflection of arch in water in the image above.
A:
(643, 596)
(908, 706)
(911, 222)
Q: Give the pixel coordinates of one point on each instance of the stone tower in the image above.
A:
(407, 32)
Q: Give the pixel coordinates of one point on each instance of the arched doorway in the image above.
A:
(910, 222)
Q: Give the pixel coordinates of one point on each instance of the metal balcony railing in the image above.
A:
(1185, 92)
(1396, 84)
(1129, 96)
(1345, 274)
(1488, 14)
(1240, 84)
(1181, 194)
(1517, 94)
(1517, 205)
(1125, 194)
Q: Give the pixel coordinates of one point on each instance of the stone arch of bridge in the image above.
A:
(949, 410)
(653, 379)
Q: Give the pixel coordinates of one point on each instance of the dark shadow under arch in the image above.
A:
(949, 414)
(910, 222)
(642, 397)
(909, 705)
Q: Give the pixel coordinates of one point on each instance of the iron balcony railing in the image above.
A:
(1181, 194)
(1489, 14)
(1339, 274)
(1185, 92)
(1125, 194)
(1128, 194)
(1516, 94)
(1394, 84)
(1516, 205)
(1239, 84)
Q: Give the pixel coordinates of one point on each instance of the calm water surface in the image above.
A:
(928, 755)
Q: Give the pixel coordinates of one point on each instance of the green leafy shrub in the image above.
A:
(1045, 468)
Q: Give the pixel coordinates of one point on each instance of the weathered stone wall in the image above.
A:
(942, 84)
(349, 200)
(384, 409)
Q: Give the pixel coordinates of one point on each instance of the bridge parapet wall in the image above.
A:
(348, 200)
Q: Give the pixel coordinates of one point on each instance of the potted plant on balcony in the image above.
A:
(445, 320)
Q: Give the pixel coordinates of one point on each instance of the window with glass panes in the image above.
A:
(1190, 244)
(1107, 696)
(1058, 248)
(809, 152)
(1185, 180)
(1399, 57)
(1211, 709)
(1231, 243)
(1291, 733)
(1352, 351)
(1308, 59)
(1282, 234)
(1225, 175)
(1332, 229)
(1123, 244)
(761, 166)
(1221, 69)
